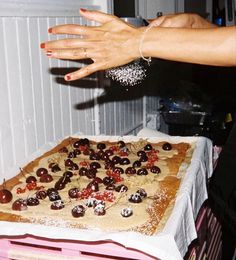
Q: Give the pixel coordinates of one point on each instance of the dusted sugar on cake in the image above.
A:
(111, 186)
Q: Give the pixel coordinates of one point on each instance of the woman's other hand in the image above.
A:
(182, 20)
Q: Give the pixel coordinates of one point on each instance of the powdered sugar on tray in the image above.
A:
(128, 75)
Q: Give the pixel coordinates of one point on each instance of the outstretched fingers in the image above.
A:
(85, 71)
(97, 16)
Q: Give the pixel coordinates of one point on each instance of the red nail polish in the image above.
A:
(49, 53)
(42, 45)
(83, 10)
(50, 30)
(68, 77)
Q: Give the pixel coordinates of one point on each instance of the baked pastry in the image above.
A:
(112, 186)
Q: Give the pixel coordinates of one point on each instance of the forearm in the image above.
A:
(214, 46)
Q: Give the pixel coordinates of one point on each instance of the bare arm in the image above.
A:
(213, 46)
(116, 43)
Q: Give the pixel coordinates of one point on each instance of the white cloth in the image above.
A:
(170, 244)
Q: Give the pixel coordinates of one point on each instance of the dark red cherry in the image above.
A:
(68, 162)
(147, 147)
(41, 194)
(166, 147)
(55, 168)
(118, 170)
(101, 146)
(71, 154)
(136, 164)
(155, 169)
(41, 171)
(83, 171)
(141, 153)
(108, 180)
(74, 167)
(135, 198)
(142, 193)
(73, 193)
(58, 204)
(97, 180)
(142, 171)
(46, 178)
(109, 152)
(53, 196)
(50, 190)
(108, 165)
(143, 158)
(19, 205)
(60, 185)
(93, 186)
(121, 188)
(124, 161)
(91, 173)
(78, 211)
(5, 196)
(116, 159)
(77, 152)
(130, 170)
(126, 212)
(67, 174)
(121, 144)
(99, 210)
(32, 201)
(31, 179)
(94, 156)
(95, 165)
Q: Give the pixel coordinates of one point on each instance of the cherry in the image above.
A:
(124, 161)
(94, 156)
(108, 180)
(126, 212)
(130, 170)
(143, 158)
(59, 185)
(93, 186)
(19, 205)
(68, 162)
(109, 164)
(99, 210)
(166, 147)
(121, 144)
(95, 165)
(147, 147)
(46, 178)
(5, 196)
(67, 174)
(155, 169)
(74, 167)
(50, 190)
(53, 196)
(63, 150)
(142, 171)
(31, 179)
(78, 211)
(109, 152)
(141, 153)
(101, 146)
(58, 204)
(73, 193)
(83, 171)
(55, 168)
(41, 171)
(77, 152)
(71, 155)
(116, 159)
(32, 201)
(118, 170)
(142, 193)
(136, 164)
(41, 194)
(135, 198)
(91, 173)
(97, 180)
(121, 188)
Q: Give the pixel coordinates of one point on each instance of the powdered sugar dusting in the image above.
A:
(128, 75)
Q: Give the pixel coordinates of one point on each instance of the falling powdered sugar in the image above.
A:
(128, 75)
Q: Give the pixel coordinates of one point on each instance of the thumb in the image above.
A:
(157, 22)
(97, 16)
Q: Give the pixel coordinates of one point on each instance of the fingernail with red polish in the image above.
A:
(68, 77)
(49, 53)
(42, 45)
(83, 10)
(50, 30)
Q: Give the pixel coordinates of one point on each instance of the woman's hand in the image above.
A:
(183, 20)
(113, 43)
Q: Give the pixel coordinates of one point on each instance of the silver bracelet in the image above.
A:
(148, 60)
